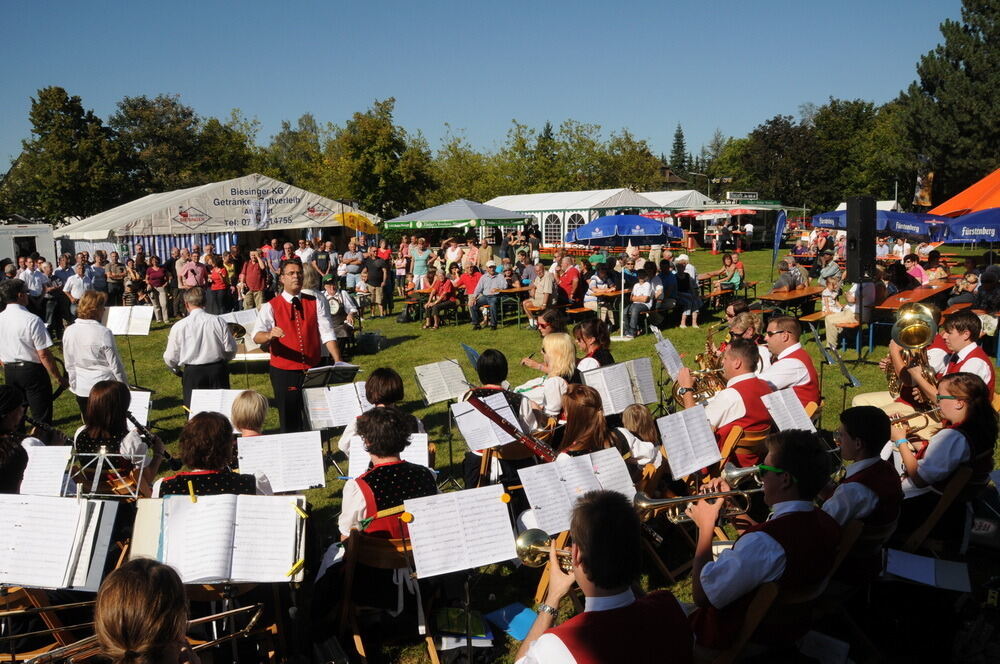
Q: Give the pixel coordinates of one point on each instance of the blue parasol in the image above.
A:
(620, 229)
(982, 226)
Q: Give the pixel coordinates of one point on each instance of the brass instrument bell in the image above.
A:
(533, 549)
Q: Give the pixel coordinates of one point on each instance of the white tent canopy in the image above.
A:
(891, 206)
(685, 199)
(250, 203)
(597, 199)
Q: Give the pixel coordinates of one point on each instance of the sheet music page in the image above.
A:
(317, 408)
(433, 383)
(198, 537)
(669, 356)
(455, 531)
(46, 469)
(342, 400)
(86, 546)
(139, 320)
(548, 497)
(116, 319)
(416, 451)
(611, 472)
(479, 432)
(787, 411)
(596, 379)
(498, 402)
(614, 385)
(264, 540)
(39, 533)
(139, 407)
(577, 475)
(290, 461)
(216, 401)
(362, 397)
(643, 383)
(358, 459)
(688, 440)
(454, 378)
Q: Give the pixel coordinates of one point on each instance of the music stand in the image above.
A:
(849, 380)
(330, 375)
(825, 352)
(472, 355)
(99, 462)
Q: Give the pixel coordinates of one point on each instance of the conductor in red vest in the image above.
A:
(791, 365)
(606, 558)
(739, 404)
(293, 326)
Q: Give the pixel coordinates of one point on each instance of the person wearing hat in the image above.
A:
(828, 267)
(342, 307)
(487, 293)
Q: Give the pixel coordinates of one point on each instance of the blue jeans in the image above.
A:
(493, 301)
(351, 280)
(632, 317)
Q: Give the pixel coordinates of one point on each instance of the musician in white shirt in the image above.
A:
(202, 343)
(89, 349)
(341, 305)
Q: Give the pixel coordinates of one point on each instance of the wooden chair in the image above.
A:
(996, 402)
(514, 451)
(920, 538)
(757, 609)
(738, 439)
(379, 553)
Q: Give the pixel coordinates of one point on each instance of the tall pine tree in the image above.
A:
(678, 154)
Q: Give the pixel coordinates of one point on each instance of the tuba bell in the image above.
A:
(708, 377)
(914, 330)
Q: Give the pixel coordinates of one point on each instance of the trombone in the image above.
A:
(738, 503)
(533, 549)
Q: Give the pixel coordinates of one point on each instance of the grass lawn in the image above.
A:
(409, 346)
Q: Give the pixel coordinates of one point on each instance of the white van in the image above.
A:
(24, 239)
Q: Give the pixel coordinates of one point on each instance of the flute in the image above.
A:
(147, 437)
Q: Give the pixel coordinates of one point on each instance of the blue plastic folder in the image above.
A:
(515, 619)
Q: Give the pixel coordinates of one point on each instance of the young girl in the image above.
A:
(830, 296)
(401, 276)
(640, 433)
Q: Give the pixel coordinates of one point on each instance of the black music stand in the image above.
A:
(330, 375)
(827, 359)
(849, 380)
(449, 478)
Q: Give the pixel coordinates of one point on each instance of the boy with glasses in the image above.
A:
(791, 365)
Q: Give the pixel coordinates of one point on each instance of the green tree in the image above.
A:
(460, 171)
(630, 163)
(840, 129)
(71, 165)
(580, 151)
(678, 153)
(295, 155)
(952, 112)
(227, 149)
(779, 160)
(159, 136)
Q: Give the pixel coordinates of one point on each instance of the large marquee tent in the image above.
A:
(460, 213)
(983, 195)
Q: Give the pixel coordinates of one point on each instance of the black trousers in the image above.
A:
(34, 381)
(213, 376)
(287, 387)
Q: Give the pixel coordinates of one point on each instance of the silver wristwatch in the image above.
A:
(545, 608)
(684, 390)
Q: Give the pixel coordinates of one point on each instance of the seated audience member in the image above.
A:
(736, 307)
(900, 279)
(641, 300)
(933, 267)
(792, 366)
(441, 298)
(607, 558)
(849, 313)
(964, 290)
(602, 280)
(207, 449)
(569, 281)
(594, 341)
(486, 294)
(468, 281)
(141, 615)
(913, 268)
(785, 282)
(795, 547)
(641, 435)
(383, 389)
(249, 412)
(541, 293)
(746, 325)
(870, 491)
(969, 439)
(988, 295)
(389, 482)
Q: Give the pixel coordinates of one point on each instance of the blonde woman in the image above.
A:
(559, 359)
(89, 348)
(641, 435)
(249, 412)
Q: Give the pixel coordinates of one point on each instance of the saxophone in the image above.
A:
(708, 377)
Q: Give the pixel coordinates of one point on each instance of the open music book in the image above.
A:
(335, 405)
(460, 530)
(688, 440)
(213, 401)
(224, 538)
(358, 459)
(441, 381)
(479, 432)
(128, 320)
(669, 356)
(139, 407)
(51, 542)
(787, 411)
(46, 470)
(248, 319)
(623, 384)
(553, 488)
(290, 461)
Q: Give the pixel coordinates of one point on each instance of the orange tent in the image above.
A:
(983, 195)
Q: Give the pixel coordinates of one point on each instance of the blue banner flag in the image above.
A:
(779, 231)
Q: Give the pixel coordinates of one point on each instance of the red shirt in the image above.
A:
(445, 290)
(566, 281)
(218, 278)
(469, 281)
(253, 276)
(384, 254)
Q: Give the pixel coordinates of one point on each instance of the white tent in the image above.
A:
(891, 206)
(251, 203)
(685, 199)
(558, 213)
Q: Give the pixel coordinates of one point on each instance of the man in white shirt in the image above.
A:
(24, 351)
(540, 294)
(76, 286)
(202, 344)
(791, 367)
(641, 300)
(849, 315)
(901, 248)
(35, 281)
(881, 248)
(305, 252)
(342, 307)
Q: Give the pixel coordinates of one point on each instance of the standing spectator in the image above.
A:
(404, 250)
(305, 252)
(76, 286)
(354, 261)
(90, 351)
(253, 281)
(378, 275)
(687, 290)
(273, 255)
(115, 273)
(53, 301)
(34, 280)
(157, 279)
(208, 256)
(177, 298)
(98, 272)
(323, 259)
(399, 266)
(569, 280)
(170, 265)
(453, 252)
(193, 273)
(384, 251)
(470, 255)
(420, 255)
(218, 291)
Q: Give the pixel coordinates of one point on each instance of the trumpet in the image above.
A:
(733, 475)
(533, 549)
(675, 507)
(928, 415)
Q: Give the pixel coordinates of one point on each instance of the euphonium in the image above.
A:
(706, 383)
(675, 507)
(914, 330)
(238, 331)
(533, 549)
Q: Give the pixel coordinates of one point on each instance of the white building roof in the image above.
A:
(686, 198)
(597, 199)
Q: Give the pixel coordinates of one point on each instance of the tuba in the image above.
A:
(914, 330)
(708, 377)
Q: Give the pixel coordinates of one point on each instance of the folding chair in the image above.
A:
(756, 610)
(749, 442)
(920, 538)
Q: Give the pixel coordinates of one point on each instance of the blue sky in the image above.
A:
(645, 66)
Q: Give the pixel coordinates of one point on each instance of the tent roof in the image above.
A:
(597, 199)
(982, 195)
(686, 199)
(460, 210)
(248, 203)
(891, 206)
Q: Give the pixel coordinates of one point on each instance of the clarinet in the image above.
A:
(539, 448)
(55, 433)
(147, 437)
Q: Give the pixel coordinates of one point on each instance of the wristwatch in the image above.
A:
(684, 390)
(545, 608)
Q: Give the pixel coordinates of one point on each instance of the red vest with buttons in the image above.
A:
(883, 480)
(598, 637)
(978, 353)
(299, 349)
(756, 417)
(810, 391)
(809, 540)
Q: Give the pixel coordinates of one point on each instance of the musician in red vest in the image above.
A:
(293, 326)
(869, 492)
(795, 547)
(792, 366)
(739, 404)
(606, 558)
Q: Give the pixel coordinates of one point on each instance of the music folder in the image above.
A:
(623, 384)
(341, 372)
(128, 320)
(441, 381)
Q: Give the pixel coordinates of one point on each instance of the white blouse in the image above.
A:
(91, 356)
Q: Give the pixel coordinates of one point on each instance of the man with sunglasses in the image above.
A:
(794, 548)
(791, 366)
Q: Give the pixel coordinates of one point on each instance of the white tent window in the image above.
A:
(575, 221)
(552, 229)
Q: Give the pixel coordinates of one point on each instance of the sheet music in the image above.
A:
(787, 411)
(643, 383)
(46, 470)
(460, 530)
(362, 397)
(215, 401)
(441, 381)
(689, 441)
(248, 319)
(614, 385)
(669, 356)
(611, 472)
(133, 321)
(265, 545)
(198, 537)
(290, 461)
(317, 408)
(358, 459)
(479, 431)
(39, 534)
(139, 407)
(92, 516)
(344, 403)
(547, 496)
(577, 475)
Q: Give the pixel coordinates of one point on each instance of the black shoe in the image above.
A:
(477, 326)
(493, 327)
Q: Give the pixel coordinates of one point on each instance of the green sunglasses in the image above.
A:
(943, 397)
(764, 468)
